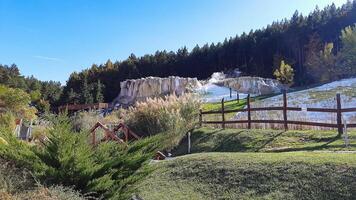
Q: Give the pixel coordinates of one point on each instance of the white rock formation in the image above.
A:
(252, 85)
(139, 89)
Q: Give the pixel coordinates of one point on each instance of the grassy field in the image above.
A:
(243, 140)
(256, 164)
(293, 175)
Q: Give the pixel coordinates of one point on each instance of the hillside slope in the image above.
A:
(243, 140)
(249, 164)
(253, 176)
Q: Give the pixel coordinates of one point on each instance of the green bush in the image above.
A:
(7, 120)
(16, 150)
(108, 170)
(84, 121)
(17, 101)
(67, 157)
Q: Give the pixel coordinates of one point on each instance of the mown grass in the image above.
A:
(293, 175)
(244, 140)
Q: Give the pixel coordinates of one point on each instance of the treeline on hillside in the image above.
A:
(298, 41)
(43, 93)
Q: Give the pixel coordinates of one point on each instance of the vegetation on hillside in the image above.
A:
(109, 170)
(17, 183)
(298, 41)
(284, 74)
(319, 46)
(14, 104)
(42, 93)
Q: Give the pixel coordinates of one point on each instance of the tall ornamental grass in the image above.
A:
(167, 114)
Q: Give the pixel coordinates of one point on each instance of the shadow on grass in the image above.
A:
(270, 140)
(229, 140)
(231, 143)
(327, 143)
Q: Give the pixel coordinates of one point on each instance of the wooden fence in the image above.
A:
(338, 110)
(77, 107)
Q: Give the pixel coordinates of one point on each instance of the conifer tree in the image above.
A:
(73, 97)
(87, 96)
(99, 98)
(347, 58)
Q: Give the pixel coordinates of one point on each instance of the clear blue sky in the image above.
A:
(52, 38)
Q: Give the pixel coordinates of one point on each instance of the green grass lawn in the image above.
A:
(256, 164)
(244, 140)
(293, 175)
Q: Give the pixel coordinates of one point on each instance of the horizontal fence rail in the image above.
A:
(338, 124)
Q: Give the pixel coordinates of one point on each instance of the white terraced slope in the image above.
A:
(318, 97)
(210, 92)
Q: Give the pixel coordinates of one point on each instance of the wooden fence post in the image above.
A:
(189, 142)
(127, 135)
(238, 97)
(248, 112)
(230, 93)
(200, 118)
(223, 113)
(285, 110)
(338, 114)
(93, 137)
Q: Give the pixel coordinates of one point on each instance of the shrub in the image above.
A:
(16, 150)
(66, 158)
(18, 183)
(13, 179)
(7, 120)
(53, 193)
(84, 121)
(39, 132)
(17, 101)
(166, 114)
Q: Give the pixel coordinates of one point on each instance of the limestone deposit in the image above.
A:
(252, 85)
(140, 89)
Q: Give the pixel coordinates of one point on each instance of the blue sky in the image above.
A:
(52, 38)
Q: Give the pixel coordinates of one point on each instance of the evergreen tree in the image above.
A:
(73, 97)
(313, 61)
(347, 58)
(99, 98)
(87, 97)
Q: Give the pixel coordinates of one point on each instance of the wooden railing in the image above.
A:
(338, 110)
(77, 107)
